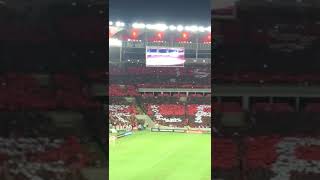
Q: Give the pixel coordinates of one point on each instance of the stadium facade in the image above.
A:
(127, 42)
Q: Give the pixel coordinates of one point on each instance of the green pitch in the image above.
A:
(161, 156)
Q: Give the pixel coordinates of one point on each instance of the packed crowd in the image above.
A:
(279, 142)
(56, 78)
(266, 52)
(264, 78)
(24, 91)
(41, 158)
(225, 160)
(187, 77)
(122, 117)
(171, 72)
(31, 149)
(180, 115)
(276, 157)
(122, 90)
(29, 145)
(269, 157)
(167, 111)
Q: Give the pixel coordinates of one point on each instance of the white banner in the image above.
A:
(200, 113)
(158, 116)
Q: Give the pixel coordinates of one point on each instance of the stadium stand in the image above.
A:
(261, 61)
(225, 159)
(49, 113)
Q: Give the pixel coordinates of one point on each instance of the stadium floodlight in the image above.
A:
(120, 24)
(160, 27)
(192, 28)
(138, 25)
(201, 29)
(172, 27)
(163, 27)
(208, 29)
(149, 26)
(180, 28)
(115, 42)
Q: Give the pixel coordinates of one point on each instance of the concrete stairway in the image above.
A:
(147, 120)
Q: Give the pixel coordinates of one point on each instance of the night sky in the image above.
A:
(185, 12)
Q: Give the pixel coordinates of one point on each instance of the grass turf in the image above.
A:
(161, 156)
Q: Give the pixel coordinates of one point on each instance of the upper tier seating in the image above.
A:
(225, 164)
(23, 91)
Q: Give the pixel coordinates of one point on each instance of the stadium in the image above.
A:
(51, 105)
(159, 101)
(266, 85)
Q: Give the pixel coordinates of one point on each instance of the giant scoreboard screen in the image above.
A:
(165, 56)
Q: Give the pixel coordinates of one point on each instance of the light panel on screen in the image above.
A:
(165, 56)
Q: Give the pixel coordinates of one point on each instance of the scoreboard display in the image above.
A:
(165, 56)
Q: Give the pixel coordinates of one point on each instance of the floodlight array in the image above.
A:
(163, 27)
